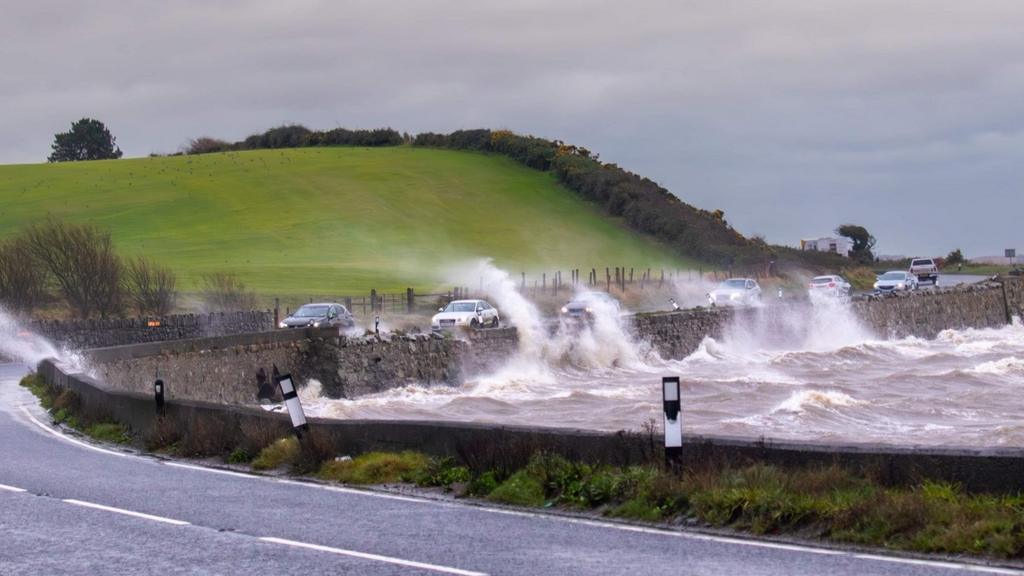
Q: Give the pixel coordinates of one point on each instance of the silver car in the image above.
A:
(895, 281)
(319, 314)
(735, 292)
(833, 285)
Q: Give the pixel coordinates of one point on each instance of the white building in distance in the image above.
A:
(837, 245)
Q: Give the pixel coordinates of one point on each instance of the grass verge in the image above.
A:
(63, 406)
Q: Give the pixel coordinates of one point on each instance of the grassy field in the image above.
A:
(328, 220)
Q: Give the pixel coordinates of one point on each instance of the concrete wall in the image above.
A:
(85, 334)
(483, 446)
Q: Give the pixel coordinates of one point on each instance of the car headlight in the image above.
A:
(316, 324)
(901, 285)
(735, 296)
(281, 324)
(565, 310)
(590, 310)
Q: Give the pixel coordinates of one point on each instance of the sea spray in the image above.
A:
(22, 345)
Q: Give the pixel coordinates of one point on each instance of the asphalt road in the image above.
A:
(73, 508)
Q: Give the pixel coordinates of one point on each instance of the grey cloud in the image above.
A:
(791, 116)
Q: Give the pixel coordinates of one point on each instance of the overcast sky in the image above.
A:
(793, 117)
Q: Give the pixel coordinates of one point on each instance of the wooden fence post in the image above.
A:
(373, 300)
(277, 312)
(410, 300)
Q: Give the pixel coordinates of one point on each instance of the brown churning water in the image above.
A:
(824, 379)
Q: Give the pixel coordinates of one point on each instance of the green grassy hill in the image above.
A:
(328, 220)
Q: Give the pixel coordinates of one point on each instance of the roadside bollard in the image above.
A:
(672, 407)
(158, 395)
(291, 402)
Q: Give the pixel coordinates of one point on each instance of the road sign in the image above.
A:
(1011, 252)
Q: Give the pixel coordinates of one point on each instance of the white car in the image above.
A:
(835, 286)
(895, 281)
(466, 314)
(735, 292)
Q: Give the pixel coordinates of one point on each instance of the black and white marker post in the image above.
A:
(291, 402)
(672, 406)
(158, 393)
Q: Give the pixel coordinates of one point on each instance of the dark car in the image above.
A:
(586, 304)
(316, 315)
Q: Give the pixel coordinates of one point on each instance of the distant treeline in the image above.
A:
(641, 203)
(297, 136)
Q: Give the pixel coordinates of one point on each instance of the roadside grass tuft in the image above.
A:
(239, 456)
(39, 388)
(281, 452)
(109, 432)
(376, 468)
(520, 489)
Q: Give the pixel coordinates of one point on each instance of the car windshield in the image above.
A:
(734, 283)
(921, 263)
(824, 279)
(893, 276)
(308, 311)
(460, 307)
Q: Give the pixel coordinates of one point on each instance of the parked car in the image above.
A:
(735, 292)
(925, 269)
(466, 313)
(584, 305)
(895, 281)
(319, 314)
(832, 285)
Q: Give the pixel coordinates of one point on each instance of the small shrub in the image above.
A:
(521, 489)
(163, 435)
(239, 456)
(482, 484)
(315, 448)
(441, 472)
(277, 454)
(258, 434)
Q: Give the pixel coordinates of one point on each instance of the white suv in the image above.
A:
(925, 269)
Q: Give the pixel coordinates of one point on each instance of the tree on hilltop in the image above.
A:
(88, 139)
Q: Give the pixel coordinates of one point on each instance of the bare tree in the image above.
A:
(81, 261)
(22, 280)
(224, 292)
(150, 287)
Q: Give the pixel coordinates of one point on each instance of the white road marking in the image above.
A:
(11, 488)
(126, 512)
(50, 430)
(376, 557)
(359, 492)
(212, 470)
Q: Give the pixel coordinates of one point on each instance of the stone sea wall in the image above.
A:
(85, 334)
(223, 369)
